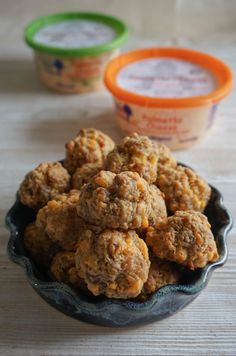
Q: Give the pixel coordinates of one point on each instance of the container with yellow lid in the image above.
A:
(169, 94)
(72, 49)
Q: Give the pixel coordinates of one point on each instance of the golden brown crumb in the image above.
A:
(63, 270)
(83, 174)
(160, 274)
(185, 238)
(59, 220)
(113, 263)
(165, 157)
(183, 189)
(89, 146)
(135, 153)
(122, 201)
(43, 183)
(39, 245)
(157, 206)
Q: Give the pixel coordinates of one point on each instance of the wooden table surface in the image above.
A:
(35, 123)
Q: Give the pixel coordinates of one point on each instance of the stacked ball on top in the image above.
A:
(117, 220)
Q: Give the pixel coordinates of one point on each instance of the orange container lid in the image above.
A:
(220, 71)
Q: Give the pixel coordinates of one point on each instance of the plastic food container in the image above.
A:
(72, 49)
(169, 94)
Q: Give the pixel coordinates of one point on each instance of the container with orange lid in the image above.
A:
(169, 94)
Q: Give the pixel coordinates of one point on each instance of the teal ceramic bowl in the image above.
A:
(110, 312)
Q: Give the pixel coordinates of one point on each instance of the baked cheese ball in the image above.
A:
(183, 189)
(89, 146)
(110, 235)
(160, 274)
(113, 263)
(63, 269)
(157, 206)
(119, 201)
(83, 174)
(39, 245)
(184, 238)
(59, 220)
(42, 183)
(135, 153)
(165, 158)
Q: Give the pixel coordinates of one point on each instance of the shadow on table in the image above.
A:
(19, 77)
(56, 126)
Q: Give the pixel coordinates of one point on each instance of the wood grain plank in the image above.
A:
(35, 124)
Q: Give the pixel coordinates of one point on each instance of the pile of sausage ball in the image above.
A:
(117, 220)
